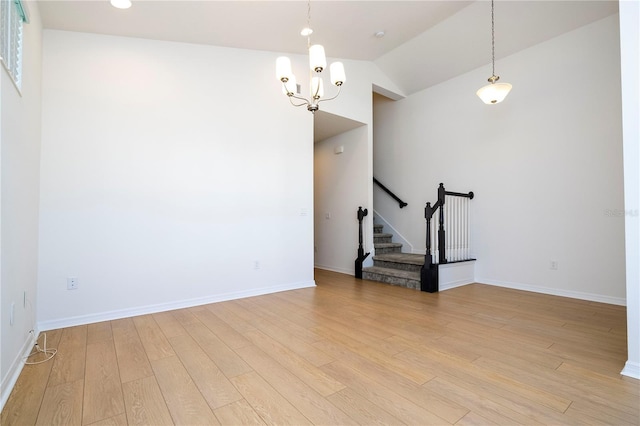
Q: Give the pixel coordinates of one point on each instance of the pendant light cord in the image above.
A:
(493, 44)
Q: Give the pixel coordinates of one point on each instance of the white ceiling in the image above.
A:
(326, 125)
(345, 28)
(426, 42)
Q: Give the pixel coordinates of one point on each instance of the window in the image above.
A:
(12, 16)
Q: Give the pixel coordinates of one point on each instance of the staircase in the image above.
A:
(390, 265)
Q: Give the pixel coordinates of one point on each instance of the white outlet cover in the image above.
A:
(72, 283)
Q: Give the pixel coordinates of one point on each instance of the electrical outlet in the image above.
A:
(554, 265)
(256, 265)
(72, 283)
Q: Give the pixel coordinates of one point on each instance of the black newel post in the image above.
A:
(442, 258)
(429, 271)
(361, 254)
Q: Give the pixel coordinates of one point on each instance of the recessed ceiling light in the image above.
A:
(121, 4)
(379, 34)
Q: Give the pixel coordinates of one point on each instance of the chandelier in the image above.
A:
(317, 63)
(493, 92)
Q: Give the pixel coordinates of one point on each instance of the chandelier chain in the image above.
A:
(308, 23)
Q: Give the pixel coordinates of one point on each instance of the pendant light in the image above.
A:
(493, 92)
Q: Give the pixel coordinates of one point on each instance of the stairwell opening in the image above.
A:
(341, 168)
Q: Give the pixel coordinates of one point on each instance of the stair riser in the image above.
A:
(401, 282)
(381, 240)
(396, 265)
(391, 277)
(386, 250)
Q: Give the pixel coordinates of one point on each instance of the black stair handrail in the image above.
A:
(429, 272)
(361, 254)
(388, 191)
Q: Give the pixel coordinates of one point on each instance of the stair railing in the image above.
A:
(391, 194)
(454, 244)
(361, 254)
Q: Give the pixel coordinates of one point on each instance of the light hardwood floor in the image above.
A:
(346, 352)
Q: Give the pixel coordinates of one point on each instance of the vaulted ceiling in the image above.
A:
(425, 42)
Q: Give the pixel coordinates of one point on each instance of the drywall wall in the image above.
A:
(630, 69)
(546, 164)
(172, 174)
(343, 181)
(341, 186)
(20, 168)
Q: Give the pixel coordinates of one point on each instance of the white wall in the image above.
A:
(630, 56)
(344, 182)
(546, 165)
(172, 174)
(341, 186)
(20, 168)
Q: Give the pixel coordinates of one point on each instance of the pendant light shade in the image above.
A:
(121, 4)
(494, 93)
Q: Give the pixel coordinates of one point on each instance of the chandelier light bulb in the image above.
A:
(283, 69)
(338, 76)
(317, 59)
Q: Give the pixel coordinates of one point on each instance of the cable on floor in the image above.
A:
(48, 352)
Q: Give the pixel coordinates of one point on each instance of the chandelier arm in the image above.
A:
(329, 99)
(306, 102)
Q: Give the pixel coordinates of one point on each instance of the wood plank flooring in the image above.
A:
(346, 352)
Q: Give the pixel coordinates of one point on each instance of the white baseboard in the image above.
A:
(631, 369)
(334, 269)
(452, 275)
(555, 292)
(151, 309)
(453, 284)
(10, 379)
